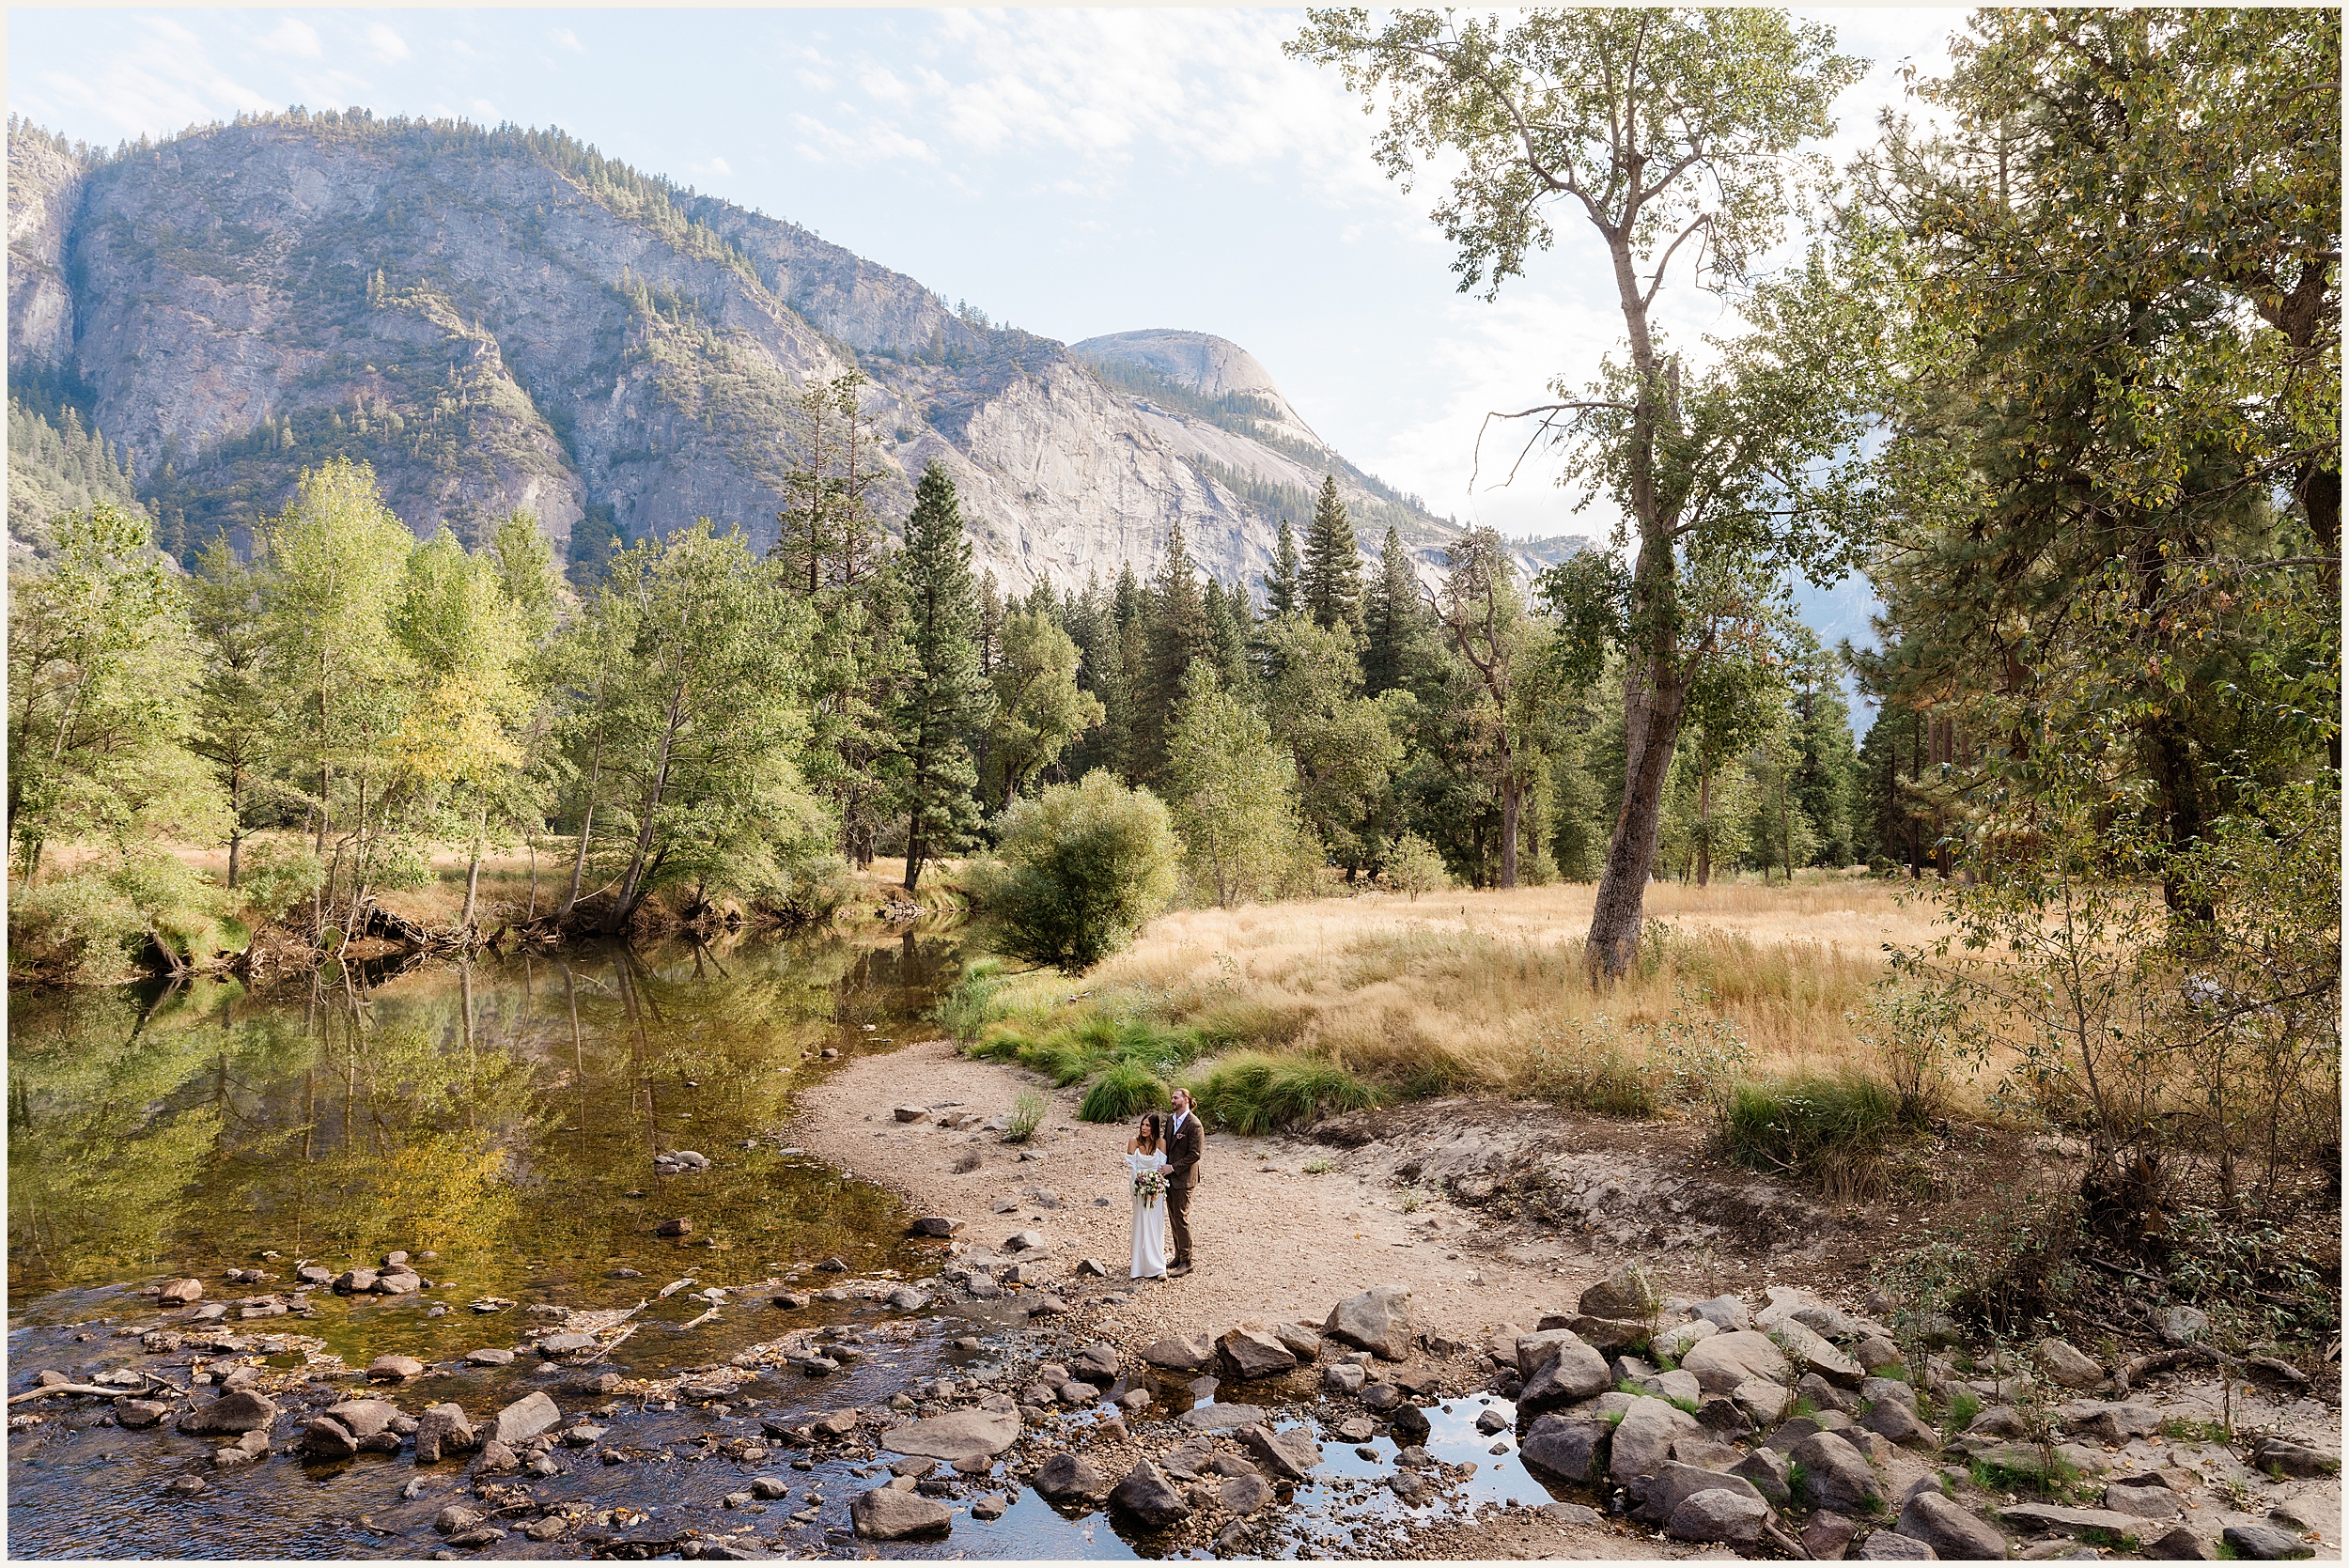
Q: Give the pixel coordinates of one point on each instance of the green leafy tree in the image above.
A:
(334, 564)
(1677, 136)
(1230, 788)
(1347, 747)
(1040, 707)
(1482, 612)
(1078, 871)
(1331, 588)
(702, 780)
(103, 673)
(946, 700)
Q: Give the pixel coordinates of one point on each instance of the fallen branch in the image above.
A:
(47, 1389)
(2130, 1370)
(615, 1342)
(699, 1321)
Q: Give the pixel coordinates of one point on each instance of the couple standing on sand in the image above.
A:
(1162, 1167)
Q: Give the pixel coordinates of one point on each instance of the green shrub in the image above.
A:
(1254, 1092)
(145, 910)
(1413, 867)
(1079, 870)
(273, 877)
(1828, 1131)
(1122, 1093)
(1965, 1405)
(968, 1006)
(1027, 1113)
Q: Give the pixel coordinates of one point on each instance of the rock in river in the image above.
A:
(1067, 1478)
(526, 1417)
(1246, 1353)
(1180, 1352)
(490, 1356)
(885, 1513)
(394, 1369)
(178, 1293)
(1149, 1497)
(239, 1410)
(959, 1434)
(443, 1429)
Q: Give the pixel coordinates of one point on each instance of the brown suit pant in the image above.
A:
(1178, 1221)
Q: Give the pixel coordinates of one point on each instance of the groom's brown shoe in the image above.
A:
(1179, 1268)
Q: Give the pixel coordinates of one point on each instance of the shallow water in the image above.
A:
(497, 1120)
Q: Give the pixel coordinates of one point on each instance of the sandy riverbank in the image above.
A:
(1272, 1241)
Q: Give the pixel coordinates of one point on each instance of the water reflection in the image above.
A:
(502, 1113)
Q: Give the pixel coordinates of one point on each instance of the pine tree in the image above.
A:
(1396, 625)
(1176, 634)
(1332, 582)
(1229, 624)
(946, 700)
(1280, 583)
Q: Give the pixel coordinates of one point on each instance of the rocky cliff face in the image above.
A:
(502, 319)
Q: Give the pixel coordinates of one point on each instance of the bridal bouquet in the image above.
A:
(1148, 1185)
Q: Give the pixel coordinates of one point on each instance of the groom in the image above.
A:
(1185, 1140)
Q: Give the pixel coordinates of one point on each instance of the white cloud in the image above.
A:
(293, 36)
(851, 138)
(883, 84)
(161, 82)
(563, 37)
(385, 44)
(720, 166)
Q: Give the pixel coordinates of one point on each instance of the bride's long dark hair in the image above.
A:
(1151, 1133)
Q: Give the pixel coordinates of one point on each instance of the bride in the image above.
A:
(1145, 1174)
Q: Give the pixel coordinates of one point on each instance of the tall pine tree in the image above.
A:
(946, 699)
(1331, 585)
(1176, 634)
(1280, 582)
(1397, 648)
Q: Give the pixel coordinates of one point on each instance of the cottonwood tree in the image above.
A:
(1347, 746)
(1040, 707)
(1229, 787)
(102, 685)
(1678, 137)
(946, 700)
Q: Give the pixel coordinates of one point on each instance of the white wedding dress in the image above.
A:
(1149, 1221)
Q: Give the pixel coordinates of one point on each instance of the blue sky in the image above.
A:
(1070, 172)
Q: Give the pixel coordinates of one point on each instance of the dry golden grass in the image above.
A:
(1486, 989)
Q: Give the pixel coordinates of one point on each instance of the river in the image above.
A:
(497, 1120)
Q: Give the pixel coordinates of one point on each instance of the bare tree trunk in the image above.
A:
(630, 889)
(1651, 709)
(1511, 796)
(472, 871)
(1705, 827)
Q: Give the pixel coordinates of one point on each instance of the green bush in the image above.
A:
(968, 1006)
(1828, 1131)
(1584, 1066)
(1253, 1092)
(1080, 869)
(1122, 1093)
(145, 910)
(273, 878)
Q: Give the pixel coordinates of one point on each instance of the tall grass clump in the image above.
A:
(1830, 1130)
(1255, 1092)
(1123, 1092)
(1583, 1065)
(971, 1003)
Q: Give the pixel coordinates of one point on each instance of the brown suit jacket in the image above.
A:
(1183, 1151)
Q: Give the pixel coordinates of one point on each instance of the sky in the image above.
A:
(1069, 172)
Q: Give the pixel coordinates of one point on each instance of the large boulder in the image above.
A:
(2068, 1366)
(1949, 1531)
(1245, 1353)
(443, 1429)
(1727, 1313)
(1572, 1448)
(178, 1293)
(2111, 1421)
(1810, 1352)
(2281, 1455)
(234, 1413)
(1628, 1293)
(1149, 1497)
(1890, 1546)
(1642, 1443)
(1763, 1402)
(2265, 1542)
(1290, 1454)
(324, 1438)
(1180, 1353)
(1719, 1513)
(365, 1418)
(1675, 1342)
(1836, 1476)
(1675, 1482)
(1379, 1320)
(1067, 1478)
(1897, 1423)
(976, 1434)
(2057, 1519)
(1558, 1368)
(525, 1418)
(1299, 1340)
(885, 1513)
(1768, 1472)
(1727, 1360)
